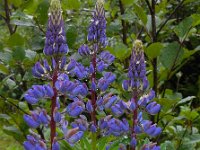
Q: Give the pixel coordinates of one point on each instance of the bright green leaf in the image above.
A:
(15, 40)
(171, 55)
(153, 50)
(71, 36)
(71, 4)
(140, 13)
(3, 69)
(183, 28)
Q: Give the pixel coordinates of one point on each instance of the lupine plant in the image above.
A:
(54, 72)
(90, 106)
(142, 99)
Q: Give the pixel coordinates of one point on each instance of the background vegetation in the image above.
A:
(170, 30)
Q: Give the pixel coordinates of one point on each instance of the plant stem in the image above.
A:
(93, 99)
(135, 114)
(53, 105)
(94, 141)
(124, 24)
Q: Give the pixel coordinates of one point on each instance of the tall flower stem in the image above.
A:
(135, 114)
(93, 93)
(53, 105)
(93, 99)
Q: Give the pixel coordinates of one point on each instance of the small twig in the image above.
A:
(124, 24)
(169, 17)
(149, 6)
(40, 28)
(7, 18)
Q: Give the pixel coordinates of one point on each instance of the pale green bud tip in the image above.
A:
(138, 45)
(100, 3)
(55, 5)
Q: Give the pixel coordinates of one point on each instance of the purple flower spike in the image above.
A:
(55, 36)
(97, 29)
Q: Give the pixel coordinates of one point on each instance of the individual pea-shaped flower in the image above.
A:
(150, 146)
(81, 123)
(73, 135)
(55, 145)
(44, 118)
(89, 106)
(75, 108)
(153, 108)
(84, 50)
(32, 121)
(56, 115)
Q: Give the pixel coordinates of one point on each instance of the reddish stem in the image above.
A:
(135, 114)
(93, 93)
(53, 105)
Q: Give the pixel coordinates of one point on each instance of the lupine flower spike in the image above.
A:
(142, 97)
(56, 73)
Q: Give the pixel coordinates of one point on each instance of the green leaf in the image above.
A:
(171, 55)
(195, 138)
(4, 116)
(19, 53)
(120, 51)
(13, 131)
(140, 13)
(15, 40)
(196, 19)
(27, 23)
(3, 69)
(42, 12)
(10, 83)
(71, 36)
(127, 2)
(153, 50)
(187, 99)
(71, 4)
(183, 28)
